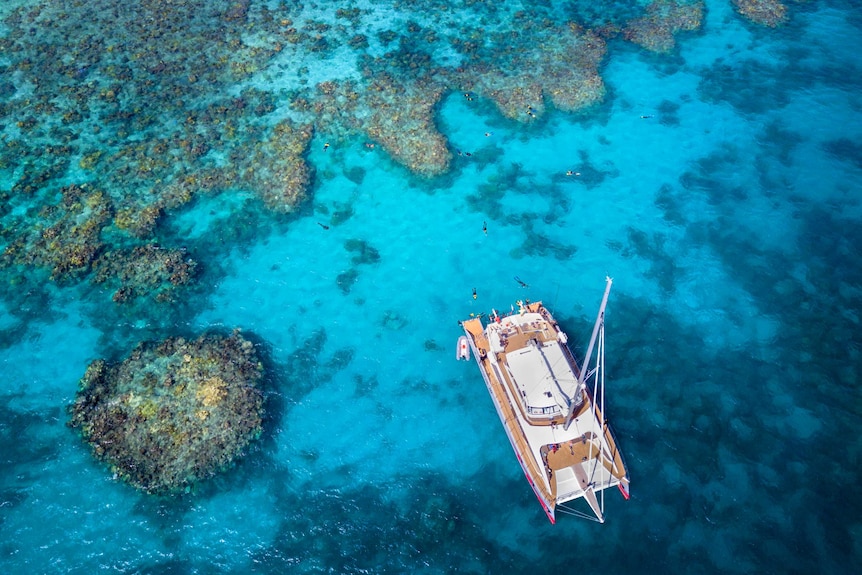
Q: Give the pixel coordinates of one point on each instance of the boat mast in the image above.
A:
(585, 365)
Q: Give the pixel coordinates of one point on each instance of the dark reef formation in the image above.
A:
(172, 413)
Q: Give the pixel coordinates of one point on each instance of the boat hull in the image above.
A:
(462, 351)
(561, 440)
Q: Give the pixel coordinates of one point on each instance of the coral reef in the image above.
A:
(67, 236)
(770, 13)
(402, 121)
(137, 105)
(121, 114)
(664, 18)
(394, 103)
(157, 104)
(127, 88)
(67, 239)
(275, 169)
(172, 413)
(548, 60)
(149, 269)
(394, 114)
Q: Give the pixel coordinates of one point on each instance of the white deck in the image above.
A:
(543, 376)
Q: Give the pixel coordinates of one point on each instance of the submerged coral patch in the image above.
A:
(770, 13)
(363, 252)
(172, 413)
(275, 169)
(346, 279)
(663, 19)
(124, 115)
(549, 61)
(66, 237)
(145, 270)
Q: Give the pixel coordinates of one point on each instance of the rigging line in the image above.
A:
(576, 513)
(551, 374)
(602, 353)
(562, 352)
(562, 356)
(605, 426)
(595, 384)
(599, 373)
(604, 416)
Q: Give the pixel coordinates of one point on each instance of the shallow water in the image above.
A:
(728, 217)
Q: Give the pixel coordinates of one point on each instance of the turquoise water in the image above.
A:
(717, 183)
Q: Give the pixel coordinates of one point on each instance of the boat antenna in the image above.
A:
(573, 405)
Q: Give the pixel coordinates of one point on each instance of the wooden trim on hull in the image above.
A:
(535, 476)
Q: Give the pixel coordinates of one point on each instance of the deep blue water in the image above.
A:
(718, 183)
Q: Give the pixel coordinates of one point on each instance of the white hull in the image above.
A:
(462, 351)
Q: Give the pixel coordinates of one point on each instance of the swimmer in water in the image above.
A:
(325, 227)
(485, 228)
(474, 293)
(325, 146)
(523, 284)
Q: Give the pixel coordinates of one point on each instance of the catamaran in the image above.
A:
(551, 407)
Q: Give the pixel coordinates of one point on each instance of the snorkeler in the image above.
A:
(474, 293)
(325, 146)
(324, 226)
(485, 227)
(523, 284)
